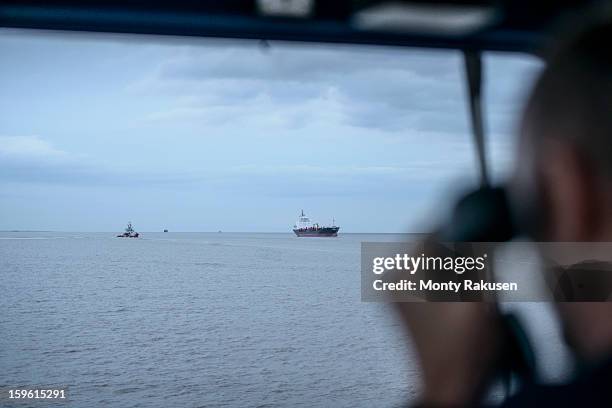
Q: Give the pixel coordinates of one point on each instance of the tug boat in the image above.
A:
(305, 228)
(129, 232)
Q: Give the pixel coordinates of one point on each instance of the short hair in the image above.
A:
(572, 98)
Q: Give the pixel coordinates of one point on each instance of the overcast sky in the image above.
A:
(224, 135)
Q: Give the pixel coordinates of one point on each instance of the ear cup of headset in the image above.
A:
(483, 215)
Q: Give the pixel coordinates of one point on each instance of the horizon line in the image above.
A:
(211, 232)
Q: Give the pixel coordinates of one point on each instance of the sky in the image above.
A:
(208, 135)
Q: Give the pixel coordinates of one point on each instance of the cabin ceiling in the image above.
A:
(518, 25)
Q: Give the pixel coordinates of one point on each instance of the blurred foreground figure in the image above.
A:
(561, 191)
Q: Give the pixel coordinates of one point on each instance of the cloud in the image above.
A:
(32, 159)
(29, 147)
(365, 87)
(299, 63)
(259, 113)
(373, 88)
(26, 160)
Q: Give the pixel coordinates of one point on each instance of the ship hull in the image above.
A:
(320, 232)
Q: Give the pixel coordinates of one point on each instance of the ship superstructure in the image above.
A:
(129, 232)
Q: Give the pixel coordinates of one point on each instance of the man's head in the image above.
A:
(562, 186)
(563, 180)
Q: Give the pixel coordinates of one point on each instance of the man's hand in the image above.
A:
(458, 345)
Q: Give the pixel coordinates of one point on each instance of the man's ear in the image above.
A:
(570, 187)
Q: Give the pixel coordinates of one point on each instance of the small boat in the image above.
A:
(165, 230)
(129, 232)
(304, 228)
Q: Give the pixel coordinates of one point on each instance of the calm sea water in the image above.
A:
(202, 319)
(197, 319)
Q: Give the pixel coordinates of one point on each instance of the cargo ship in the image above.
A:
(305, 228)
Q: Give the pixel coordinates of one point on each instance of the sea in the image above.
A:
(210, 320)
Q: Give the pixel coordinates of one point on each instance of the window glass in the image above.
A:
(223, 144)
